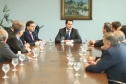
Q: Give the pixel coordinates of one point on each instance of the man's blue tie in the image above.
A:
(20, 41)
(68, 37)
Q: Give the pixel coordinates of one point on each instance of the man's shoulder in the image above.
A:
(3, 45)
(62, 28)
(26, 31)
(12, 36)
(117, 48)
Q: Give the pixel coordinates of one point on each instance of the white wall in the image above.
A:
(48, 13)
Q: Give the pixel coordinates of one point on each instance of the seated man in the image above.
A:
(68, 34)
(22, 39)
(5, 51)
(14, 40)
(106, 29)
(115, 25)
(123, 29)
(113, 59)
(121, 38)
(30, 35)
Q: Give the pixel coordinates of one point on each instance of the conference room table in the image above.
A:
(51, 67)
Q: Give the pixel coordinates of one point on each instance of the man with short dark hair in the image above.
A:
(115, 25)
(106, 29)
(30, 35)
(68, 34)
(113, 59)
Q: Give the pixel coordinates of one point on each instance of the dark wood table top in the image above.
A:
(51, 68)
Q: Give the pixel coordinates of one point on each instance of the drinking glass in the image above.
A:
(36, 54)
(15, 62)
(87, 40)
(50, 40)
(22, 57)
(71, 61)
(19, 52)
(41, 47)
(62, 40)
(5, 68)
(77, 66)
(34, 50)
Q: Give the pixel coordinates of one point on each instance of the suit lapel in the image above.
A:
(33, 35)
(64, 33)
(30, 34)
(71, 34)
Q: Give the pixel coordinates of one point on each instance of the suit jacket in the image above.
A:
(6, 53)
(28, 38)
(74, 35)
(22, 38)
(98, 43)
(15, 44)
(113, 62)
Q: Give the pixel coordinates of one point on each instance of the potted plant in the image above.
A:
(5, 18)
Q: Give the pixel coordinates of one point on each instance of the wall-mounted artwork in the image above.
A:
(76, 9)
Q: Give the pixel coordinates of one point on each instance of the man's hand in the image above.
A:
(37, 43)
(91, 42)
(91, 58)
(30, 58)
(92, 62)
(28, 49)
(67, 40)
(86, 65)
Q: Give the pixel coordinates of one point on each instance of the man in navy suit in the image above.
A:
(30, 35)
(68, 34)
(14, 40)
(113, 59)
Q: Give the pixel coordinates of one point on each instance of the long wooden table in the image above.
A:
(51, 68)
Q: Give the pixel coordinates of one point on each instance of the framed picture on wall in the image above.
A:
(76, 9)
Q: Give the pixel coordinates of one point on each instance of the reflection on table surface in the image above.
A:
(51, 68)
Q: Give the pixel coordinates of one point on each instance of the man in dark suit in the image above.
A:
(113, 59)
(106, 29)
(30, 35)
(68, 34)
(14, 40)
(5, 51)
(22, 39)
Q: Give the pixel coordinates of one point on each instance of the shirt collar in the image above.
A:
(67, 30)
(17, 37)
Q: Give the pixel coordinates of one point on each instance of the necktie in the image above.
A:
(31, 36)
(68, 37)
(21, 41)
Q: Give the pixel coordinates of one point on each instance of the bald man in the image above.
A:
(121, 37)
(5, 51)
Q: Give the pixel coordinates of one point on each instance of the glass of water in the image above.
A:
(5, 68)
(22, 57)
(36, 54)
(34, 50)
(50, 41)
(77, 66)
(15, 62)
(62, 40)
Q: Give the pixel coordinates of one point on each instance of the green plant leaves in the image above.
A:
(5, 8)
